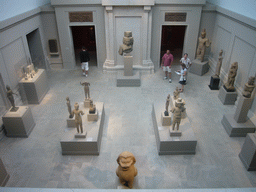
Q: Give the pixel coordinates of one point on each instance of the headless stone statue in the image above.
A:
(127, 45)
(229, 85)
(248, 87)
(202, 44)
(176, 93)
(11, 98)
(69, 108)
(78, 120)
(92, 109)
(167, 105)
(219, 64)
(177, 110)
(86, 89)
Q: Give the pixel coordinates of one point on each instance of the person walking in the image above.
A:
(84, 59)
(166, 64)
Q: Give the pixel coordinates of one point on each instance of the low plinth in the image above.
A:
(214, 83)
(81, 135)
(199, 68)
(235, 129)
(166, 120)
(92, 116)
(166, 145)
(248, 152)
(89, 145)
(4, 176)
(227, 98)
(87, 103)
(175, 133)
(71, 122)
(128, 81)
(19, 123)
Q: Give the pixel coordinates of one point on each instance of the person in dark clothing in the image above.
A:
(84, 59)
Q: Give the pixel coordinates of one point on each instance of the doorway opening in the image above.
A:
(84, 36)
(173, 40)
(36, 49)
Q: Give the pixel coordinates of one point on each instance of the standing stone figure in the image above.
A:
(203, 43)
(86, 89)
(219, 64)
(127, 45)
(167, 105)
(177, 110)
(176, 93)
(229, 85)
(126, 171)
(69, 108)
(78, 119)
(92, 108)
(248, 87)
(11, 98)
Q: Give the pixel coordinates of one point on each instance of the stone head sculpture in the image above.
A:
(126, 170)
(127, 45)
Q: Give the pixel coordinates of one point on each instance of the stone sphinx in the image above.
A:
(249, 87)
(203, 42)
(177, 110)
(126, 171)
(11, 98)
(127, 45)
(229, 85)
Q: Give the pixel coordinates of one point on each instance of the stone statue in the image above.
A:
(30, 70)
(167, 105)
(203, 43)
(11, 98)
(69, 108)
(248, 87)
(218, 67)
(126, 171)
(86, 89)
(127, 45)
(176, 93)
(92, 108)
(229, 85)
(177, 110)
(78, 119)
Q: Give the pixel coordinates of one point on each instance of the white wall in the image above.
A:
(244, 7)
(11, 8)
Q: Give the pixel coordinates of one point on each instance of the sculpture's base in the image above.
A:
(175, 133)
(4, 176)
(87, 103)
(199, 68)
(128, 81)
(248, 152)
(166, 145)
(172, 103)
(166, 120)
(92, 117)
(227, 98)
(71, 122)
(235, 129)
(81, 135)
(90, 145)
(214, 83)
(128, 63)
(123, 187)
(19, 123)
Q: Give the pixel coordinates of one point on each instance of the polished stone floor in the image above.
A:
(37, 161)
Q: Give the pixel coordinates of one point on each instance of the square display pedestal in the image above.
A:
(92, 117)
(199, 68)
(227, 98)
(235, 129)
(175, 133)
(166, 120)
(87, 103)
(19, 123)
(128, 81)
(71, 122)
(214, 83)
(128, 64)
(248, 152)
(81, 135)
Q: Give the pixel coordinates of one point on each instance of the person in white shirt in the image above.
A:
(185, 60)
(183, 73)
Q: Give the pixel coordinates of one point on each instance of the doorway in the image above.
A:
(36, 49)
(84, 36)
(172, 39)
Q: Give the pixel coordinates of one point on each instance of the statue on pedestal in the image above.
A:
(203, 43)
(127, 45)
(219, 64)
(176, 93)
(78, 119)
(92, 108)
(167, 105)
(229, 85)
(126, 171)
(86, 89)
(177, 110)
(69, 108)
(11, 98)
(248, 87)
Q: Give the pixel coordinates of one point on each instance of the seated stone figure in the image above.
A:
(127, 45)
(92, 109)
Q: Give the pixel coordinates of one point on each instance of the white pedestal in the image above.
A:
(4, 176)
(199, 68)
(71, 122)
(81, 135)
(166, 120)
(87, 103)
(92, 117)
(128, 65)
(227, 98)
(36, 88)
(19, 123)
